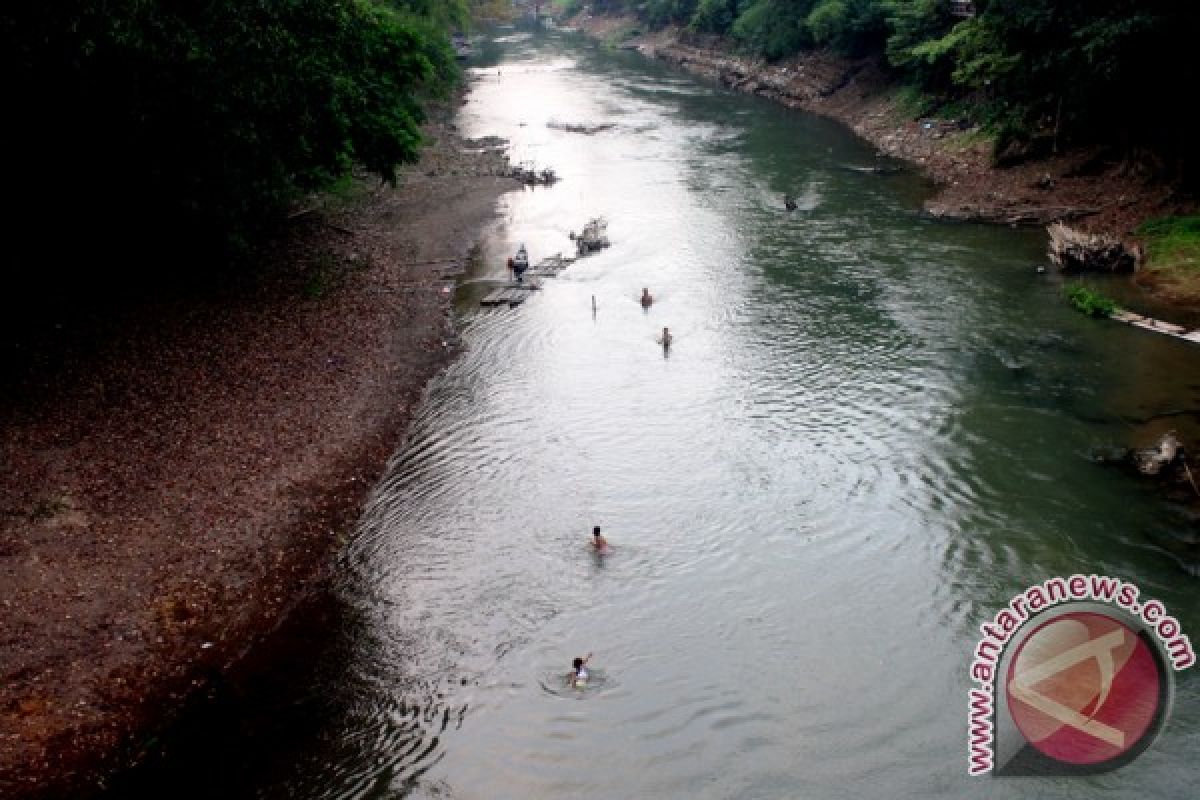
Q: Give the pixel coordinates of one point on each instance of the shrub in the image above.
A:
(1090, 302)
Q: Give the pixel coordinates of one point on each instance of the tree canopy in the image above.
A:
(1105, 70)
(201, 120)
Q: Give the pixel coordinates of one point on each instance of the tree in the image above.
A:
(774, 28)
(853, 27)
(199, 122)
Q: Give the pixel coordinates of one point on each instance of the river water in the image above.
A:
(870, 432)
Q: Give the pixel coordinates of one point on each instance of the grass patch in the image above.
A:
(1172, 242)
(1089, 301)
(1172, 256)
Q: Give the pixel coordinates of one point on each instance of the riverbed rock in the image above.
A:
(1167, 454)
(1076, 251)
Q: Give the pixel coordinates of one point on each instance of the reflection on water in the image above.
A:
(871, 431)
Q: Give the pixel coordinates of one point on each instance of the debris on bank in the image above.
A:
(593, 237)
(530, 175)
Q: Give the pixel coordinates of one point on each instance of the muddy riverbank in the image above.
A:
(179, 471)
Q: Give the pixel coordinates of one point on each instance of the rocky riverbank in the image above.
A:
(179, 471)
(1092, 189)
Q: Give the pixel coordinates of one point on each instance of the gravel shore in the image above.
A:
(179, 472)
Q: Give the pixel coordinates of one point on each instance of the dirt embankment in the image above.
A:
(178, 473)
(1087, 187)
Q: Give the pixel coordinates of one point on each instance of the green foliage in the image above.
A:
(852, 27)
(714, 16)
(667, 12)
(826, 20)
(1172, 242)
(774, 28)
(1088, 301)
(179, 124)
(1028, 68)
(912, 24)
(445, 14)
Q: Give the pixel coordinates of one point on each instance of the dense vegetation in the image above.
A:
(138, 126)
(1043, 71)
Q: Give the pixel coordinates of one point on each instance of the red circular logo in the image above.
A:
(1084, 688)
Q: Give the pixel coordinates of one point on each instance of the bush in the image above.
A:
(1089, 301)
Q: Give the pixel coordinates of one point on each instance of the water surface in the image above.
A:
(870, 432)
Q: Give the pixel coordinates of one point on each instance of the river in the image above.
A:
(871, 431)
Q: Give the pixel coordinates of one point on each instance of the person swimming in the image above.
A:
(647, 298)
(599, 543)
(578, 676)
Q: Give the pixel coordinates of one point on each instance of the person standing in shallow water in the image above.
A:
(647, 298)
(578, 676)
(599, 543)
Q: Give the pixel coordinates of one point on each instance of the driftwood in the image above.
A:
(1075, 251)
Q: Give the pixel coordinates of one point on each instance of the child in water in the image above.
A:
(578, 676)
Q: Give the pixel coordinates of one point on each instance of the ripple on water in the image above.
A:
(811, 501)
